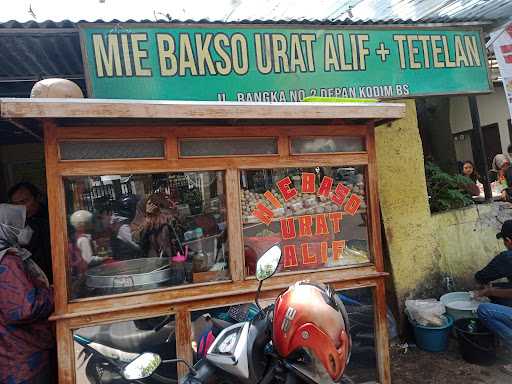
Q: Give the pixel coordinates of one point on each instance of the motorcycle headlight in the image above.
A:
(228, 343)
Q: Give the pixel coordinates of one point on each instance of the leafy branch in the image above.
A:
(446, 191)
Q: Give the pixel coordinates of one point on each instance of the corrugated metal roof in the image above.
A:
(424, 9)
(67, 24)
(239, 10)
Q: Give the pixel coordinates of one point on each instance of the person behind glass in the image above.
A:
(497, 316)
(30, 196)
(498, 174)
(81, 220)
(153, 225)
(26, 301)
(121, 240)
(468, 170)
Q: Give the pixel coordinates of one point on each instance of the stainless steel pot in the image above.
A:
(129, 273)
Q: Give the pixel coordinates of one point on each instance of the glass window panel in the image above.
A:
(302, 145)
(125, 340)
(360, 308)
(111, 149)
(228, 147)
(137, 232)
(317, 215)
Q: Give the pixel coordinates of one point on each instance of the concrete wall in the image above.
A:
(410, 236)
(466, 239)
(493, 109)
(423, 249)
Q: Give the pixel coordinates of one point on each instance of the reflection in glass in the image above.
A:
(124, 342)
(142, 367)
(228, 147)
(333, 144)
(317, 215)
(268, 263)
(134, 232)
(111, 149)
(360, 307)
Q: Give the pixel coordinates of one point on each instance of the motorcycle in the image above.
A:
(109, 349)
(279, 345)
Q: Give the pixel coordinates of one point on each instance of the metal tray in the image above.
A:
(129, 273)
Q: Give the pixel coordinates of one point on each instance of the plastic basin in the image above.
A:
(459, 305)
(433, 339)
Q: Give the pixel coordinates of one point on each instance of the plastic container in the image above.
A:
(459, 305)
(433, 339)
(477, 344)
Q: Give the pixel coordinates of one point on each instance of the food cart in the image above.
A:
(175, 201)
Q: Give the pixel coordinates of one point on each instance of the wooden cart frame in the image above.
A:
(70, 119)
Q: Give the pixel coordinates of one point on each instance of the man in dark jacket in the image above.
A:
(500, 266)
(498, 315)
(30, 196)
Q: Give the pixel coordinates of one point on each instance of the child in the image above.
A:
(82, 220)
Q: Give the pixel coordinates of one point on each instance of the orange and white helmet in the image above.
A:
(311, 330)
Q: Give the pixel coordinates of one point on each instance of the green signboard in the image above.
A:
(278, 63)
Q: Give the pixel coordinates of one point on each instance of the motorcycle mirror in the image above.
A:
(142, 367)
(268, 263)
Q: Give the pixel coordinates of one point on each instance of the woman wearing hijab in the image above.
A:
(26, 336)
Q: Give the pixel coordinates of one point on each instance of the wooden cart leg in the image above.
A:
(183, 342)
(381, 332)
(65, 353)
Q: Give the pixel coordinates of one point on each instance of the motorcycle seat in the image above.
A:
(127, 336)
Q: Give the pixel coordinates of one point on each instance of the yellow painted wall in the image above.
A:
(467, 240)
(410, 236)
(424, 249)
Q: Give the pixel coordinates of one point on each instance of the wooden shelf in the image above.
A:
(98, 108)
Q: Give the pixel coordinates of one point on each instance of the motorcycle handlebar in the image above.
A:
(205, 374)
(164, 322)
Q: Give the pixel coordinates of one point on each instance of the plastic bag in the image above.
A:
(427, 312)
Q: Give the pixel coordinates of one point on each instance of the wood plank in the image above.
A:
(132, 132)
(190, 293)
(171, 148)
(374, 205)
(283, 145)
(65, 353)
(56, 209)
(201, 131)
(97, 108)
(381, 332)
(91, 318)
(234, 216)
(183, 340)
(139, 166)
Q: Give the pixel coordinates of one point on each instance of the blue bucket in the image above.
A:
(433, 339)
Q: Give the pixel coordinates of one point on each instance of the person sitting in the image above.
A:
(28, 195)
(26, 302)
(498, 175)
(468, 170)
(497, 316)
(500, 266)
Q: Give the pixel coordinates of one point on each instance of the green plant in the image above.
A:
(446, 191)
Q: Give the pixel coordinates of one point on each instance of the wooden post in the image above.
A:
(477, 144)
(183, 336)
(381, 333)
